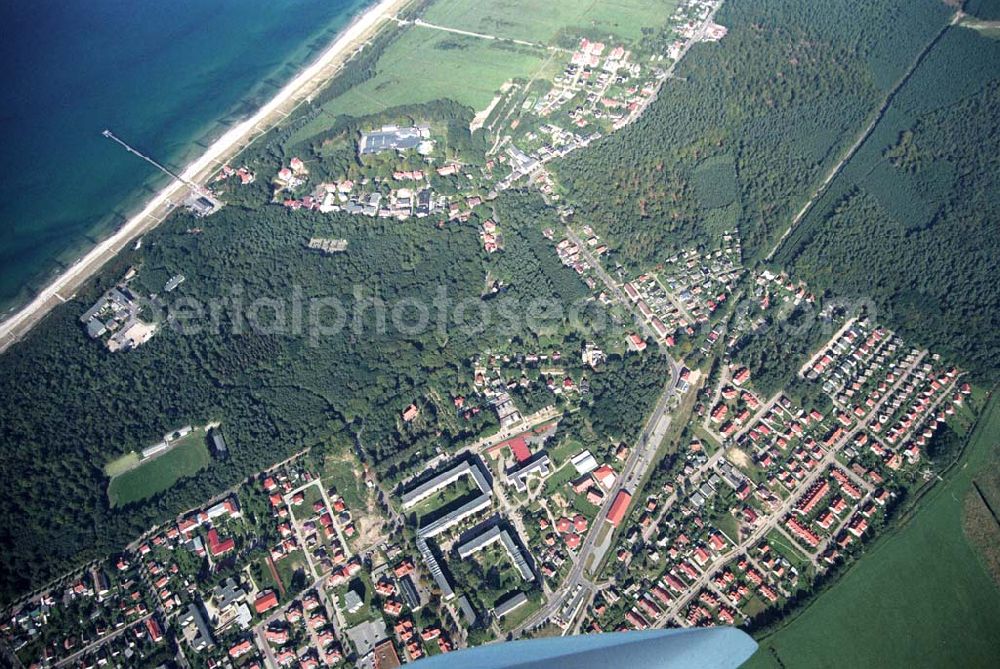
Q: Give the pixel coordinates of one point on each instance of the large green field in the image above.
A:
(425, 64)
(543, 20)
(121, 465)
(921, 598)
(343, 473)
(154, 476)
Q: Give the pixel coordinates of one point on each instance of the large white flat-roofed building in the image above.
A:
(539, 465)
(584, 462)
(455, 516)
(434, 568)
(392, 138)
(480, 502)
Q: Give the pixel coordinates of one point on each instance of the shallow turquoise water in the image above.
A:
(165, 76)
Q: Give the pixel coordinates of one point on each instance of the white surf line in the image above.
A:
(233, 138)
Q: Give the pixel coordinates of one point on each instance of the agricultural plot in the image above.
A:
(545, 20)
(187, 456)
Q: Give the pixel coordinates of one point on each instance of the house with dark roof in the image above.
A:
(510, 604)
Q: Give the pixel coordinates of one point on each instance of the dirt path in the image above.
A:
(276, 577)
(886, 101)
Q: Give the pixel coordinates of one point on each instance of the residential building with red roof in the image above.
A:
(619, 507)
(858, 526)
(519, 447)
(717, 542)
(812, 497)
(153, 628)
(649, 607)
(241, 648)
(278, 637)
(217, 547)
(636, 620)
(605, 476)
(265, 601)
(803, 532)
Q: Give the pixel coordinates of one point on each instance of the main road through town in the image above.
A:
(638, 463)
(641, 458)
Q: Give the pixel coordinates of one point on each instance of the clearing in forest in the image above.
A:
(185, 457)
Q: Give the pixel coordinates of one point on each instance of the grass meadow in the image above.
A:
(189, 455)
(543, 20)
(426, 64)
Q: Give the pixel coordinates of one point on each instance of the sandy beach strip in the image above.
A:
(224, 149)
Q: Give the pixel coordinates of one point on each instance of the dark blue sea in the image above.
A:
(168, 76)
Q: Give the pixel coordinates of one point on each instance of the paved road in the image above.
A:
(640, 459)
(638, 463)
(697, 37)
(613, 287)
(787, 505)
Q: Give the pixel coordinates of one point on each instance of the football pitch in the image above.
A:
(188, 455)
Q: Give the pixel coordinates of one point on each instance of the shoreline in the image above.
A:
(308, 81)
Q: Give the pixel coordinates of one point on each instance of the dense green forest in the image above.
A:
(775, 351)
(623, 398)
(71, 406)
(745, 129)
(911, 221)
(988, 10)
